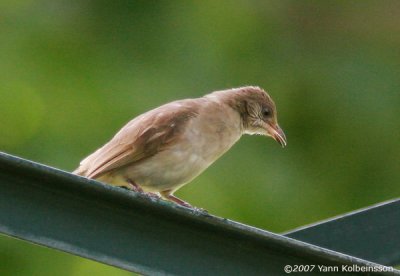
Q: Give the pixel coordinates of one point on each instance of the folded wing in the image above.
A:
(141, 138)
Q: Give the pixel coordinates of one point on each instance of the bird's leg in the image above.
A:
(133, 186)
(168, 195)
(136, 188)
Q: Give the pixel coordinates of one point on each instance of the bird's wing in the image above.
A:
(141, 138)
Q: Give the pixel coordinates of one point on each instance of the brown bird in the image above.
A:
(165, 148)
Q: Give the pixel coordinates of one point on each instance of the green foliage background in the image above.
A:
(73, 72)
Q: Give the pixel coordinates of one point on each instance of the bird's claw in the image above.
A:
(152, 195)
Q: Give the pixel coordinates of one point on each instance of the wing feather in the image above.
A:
(141, 138)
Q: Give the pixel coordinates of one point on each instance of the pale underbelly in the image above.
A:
(169, 170)
(165, 171)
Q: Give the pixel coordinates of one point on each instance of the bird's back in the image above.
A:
(140, 138)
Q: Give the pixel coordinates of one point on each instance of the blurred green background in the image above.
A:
(73, 72)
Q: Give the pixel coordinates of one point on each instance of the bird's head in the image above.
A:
(257, 111)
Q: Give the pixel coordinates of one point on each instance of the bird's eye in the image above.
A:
(266, 112)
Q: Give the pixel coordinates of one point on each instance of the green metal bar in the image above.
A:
(371, 233)
(124, 229)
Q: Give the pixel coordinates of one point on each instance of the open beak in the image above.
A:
(277, 133)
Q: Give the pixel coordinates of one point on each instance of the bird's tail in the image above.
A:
(80, 171)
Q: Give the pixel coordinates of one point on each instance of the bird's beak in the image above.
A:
(277, 133)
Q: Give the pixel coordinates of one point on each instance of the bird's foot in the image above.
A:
(201, 210)
(187, 205)
(152, 195)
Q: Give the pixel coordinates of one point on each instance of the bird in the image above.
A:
(163, 149)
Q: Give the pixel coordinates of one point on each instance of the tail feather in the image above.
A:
(80, 171)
